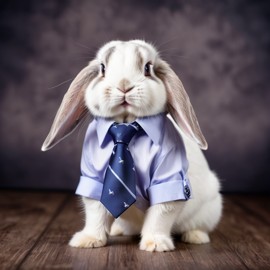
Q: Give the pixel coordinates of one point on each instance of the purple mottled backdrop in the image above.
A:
(220, 49)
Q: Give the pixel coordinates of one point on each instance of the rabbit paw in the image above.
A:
(157, 242)
(195, 237)
(83, 240)
(116, 230)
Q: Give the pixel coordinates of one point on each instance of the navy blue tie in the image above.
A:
(119, 189)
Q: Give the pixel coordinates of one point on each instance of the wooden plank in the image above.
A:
(241, 241)
(52, 250)
(215, 255)
(23, 218)
(246, 235)
(257, 205)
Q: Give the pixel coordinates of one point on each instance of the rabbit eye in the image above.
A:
(147, 69)
(102, 69)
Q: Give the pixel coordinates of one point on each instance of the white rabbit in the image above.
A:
(128, 80)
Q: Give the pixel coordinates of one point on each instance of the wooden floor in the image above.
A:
(35, 228)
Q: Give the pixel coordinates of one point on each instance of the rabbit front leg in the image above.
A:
(156, 231)
(97, 225)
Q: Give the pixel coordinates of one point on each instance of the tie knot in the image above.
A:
(124, 132)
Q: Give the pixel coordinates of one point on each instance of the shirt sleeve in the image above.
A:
(89, 185)
(169, 181)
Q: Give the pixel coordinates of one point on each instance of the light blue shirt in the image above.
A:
(159, 157)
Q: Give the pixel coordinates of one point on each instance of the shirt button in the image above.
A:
(187, 191)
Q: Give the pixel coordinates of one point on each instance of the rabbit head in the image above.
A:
(127, 80)
(126, 87)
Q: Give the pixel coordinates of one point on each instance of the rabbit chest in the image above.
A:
(159, 157)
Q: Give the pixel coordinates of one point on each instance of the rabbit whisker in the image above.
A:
(55, 86)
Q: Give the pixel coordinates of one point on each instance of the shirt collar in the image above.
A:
(152, 125)
(103, 125)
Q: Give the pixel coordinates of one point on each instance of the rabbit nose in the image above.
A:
(124, 86)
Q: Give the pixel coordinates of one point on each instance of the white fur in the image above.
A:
(147, 97)
(193, 219)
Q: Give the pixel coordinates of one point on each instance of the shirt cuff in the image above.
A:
(169, 191)
(89, 187)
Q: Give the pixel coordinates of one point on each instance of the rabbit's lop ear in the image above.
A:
(72, 109)
(179, 105)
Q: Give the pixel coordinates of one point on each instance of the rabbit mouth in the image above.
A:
(125, 104)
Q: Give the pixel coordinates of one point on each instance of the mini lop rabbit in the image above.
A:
(129, 81)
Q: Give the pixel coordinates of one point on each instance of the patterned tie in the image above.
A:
(119, 189)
